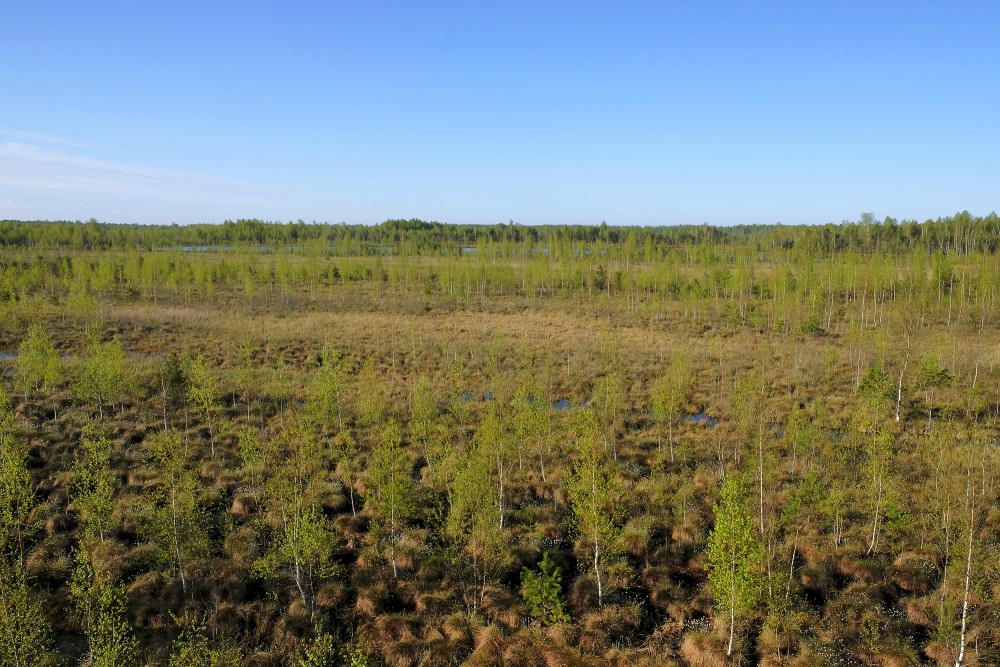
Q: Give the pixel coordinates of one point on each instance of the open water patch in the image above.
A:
(567, 404)
(700, 418)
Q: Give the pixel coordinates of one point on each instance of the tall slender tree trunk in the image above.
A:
(177, 546)
(392, 541)
(732, 625)
(597, 571)
(968, 576)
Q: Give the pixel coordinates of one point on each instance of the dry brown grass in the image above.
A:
(942, 654)
(461, 627)
(523, 650)
(566, 343)
(703, 650)
(435, 603)
(915, 573)
(501, 607)
(611, 625)
(922, 611)
(331, 596)
(489, 644)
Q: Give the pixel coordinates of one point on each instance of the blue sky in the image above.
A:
(540, 112)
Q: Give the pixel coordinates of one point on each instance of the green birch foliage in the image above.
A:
(37, 364)
(94, 487)
(203, 392)
(320, 651)
(372, 402)
(493, 442)
(531, 425)
(251, 454)
(669, 393)
(81, 305)
(302, 550)
(103, 374)
(302, 542)
(391, 494)
(734, 556)
(326, 397)
(102, 610)
(426, 430)
(595, 498)
(174, 520)
(609, 397)
(348, 463)
(17, 489)
(192, 648)
(472, 520)
(25, 639)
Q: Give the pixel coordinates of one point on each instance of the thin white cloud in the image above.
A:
(51, 181)
(43, 137)
(25, 166)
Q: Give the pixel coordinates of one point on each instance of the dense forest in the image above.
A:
(959, 234)
(416, 443)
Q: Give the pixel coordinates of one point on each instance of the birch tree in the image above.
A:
(95, 486)
(329, 386)
(203, 395)
(669, 393)
(25, 637)
(426, 431)
(594, 498)
(174, 519)
(391, 496)
(734, 557)
(102, 611)
(532, 426)
(302, 541)
(493, 442)
(37, 364)
(472, 522)
(17, 488)
(103, 376)
(609, 399)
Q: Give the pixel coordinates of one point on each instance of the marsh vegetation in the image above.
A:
(421, 444)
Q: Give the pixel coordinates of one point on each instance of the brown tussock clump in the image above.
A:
(560, 656)
(489, 643)
(330, 596)
(640, 658)
(522, 650)
(941, 653)
(703, 650)
(462, 627)
(921, 611)
(243, 507)
(600, 629)
(501, 607)
(367, 605)
(914, 573)
(434, 603)
(404, 653)
(393, 628)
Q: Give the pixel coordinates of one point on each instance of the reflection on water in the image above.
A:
(701, 418)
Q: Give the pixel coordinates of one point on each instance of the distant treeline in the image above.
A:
(959, 234)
